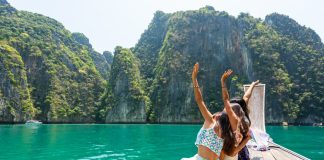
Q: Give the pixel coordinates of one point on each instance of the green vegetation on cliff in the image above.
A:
(15, 102)
(60, 77)
(148, 47)
(125, 94)
(54, 75)
(278, 51)
(102, 65)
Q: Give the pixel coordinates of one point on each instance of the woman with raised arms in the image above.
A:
(218, 131)
(240, 151)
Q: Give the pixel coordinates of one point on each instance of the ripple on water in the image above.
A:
(117, 155)
(127, 153)
(130, 149)
(99, 145)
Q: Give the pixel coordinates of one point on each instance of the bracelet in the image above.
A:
(196, 86)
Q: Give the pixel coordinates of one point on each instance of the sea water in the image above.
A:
(131, 141)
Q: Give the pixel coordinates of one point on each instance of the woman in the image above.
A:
(216, 132)
(236, 108)
(233, 154)
(244, 152)
(244, 119)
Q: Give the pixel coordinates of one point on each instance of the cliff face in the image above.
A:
(109, 58)
(56, 72)
(254, 49)
(15, 102)
(302, 54)
(215, 41)
(126, 93)
(148, 47)
(294, 31)
(53, 75)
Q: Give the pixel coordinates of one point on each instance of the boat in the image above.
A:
(261, 146)
(285, 123)
(33, 122)
(317, 124)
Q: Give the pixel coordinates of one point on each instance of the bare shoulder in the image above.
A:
(209, 124)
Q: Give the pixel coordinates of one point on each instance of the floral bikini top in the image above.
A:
(209, 139)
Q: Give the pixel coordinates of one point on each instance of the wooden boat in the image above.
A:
(274, 151)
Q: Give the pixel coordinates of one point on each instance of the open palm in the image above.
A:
(226, 74)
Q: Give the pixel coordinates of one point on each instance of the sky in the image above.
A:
(108, 23)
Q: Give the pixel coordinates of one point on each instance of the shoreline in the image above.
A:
(170, 123)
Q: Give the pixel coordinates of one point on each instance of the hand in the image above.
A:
(238, 137)
(226, 74)
(255, 83)
(195, 71)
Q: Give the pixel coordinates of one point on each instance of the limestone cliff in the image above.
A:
(49, 73)
(15, 102)
(45, 69)
(126, 94)
(253, 48)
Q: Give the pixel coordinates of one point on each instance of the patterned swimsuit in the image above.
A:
(209, 139)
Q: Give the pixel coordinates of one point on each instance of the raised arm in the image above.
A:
(231, 115)
(198, 97)
(242, 144)
(248, 93)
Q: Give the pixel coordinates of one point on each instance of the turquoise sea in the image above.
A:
(131, 141)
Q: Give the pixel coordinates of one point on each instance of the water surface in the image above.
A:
(131, 141)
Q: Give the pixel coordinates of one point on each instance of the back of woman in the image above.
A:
(216, 133)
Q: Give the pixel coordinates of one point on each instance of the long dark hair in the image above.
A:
(238, 110)
(227, 134)
(245, 118)
(243, 125)
(243, 105)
